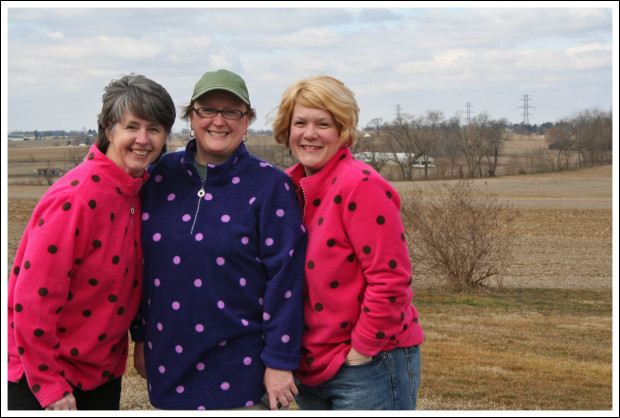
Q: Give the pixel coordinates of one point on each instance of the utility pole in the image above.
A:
(526, 107)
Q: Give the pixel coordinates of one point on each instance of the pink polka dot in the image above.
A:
(171, 197)
(286, 186)
(180, 389)
(252, 200)
(162, 369)
(199, 327)
(150, 344)
(236, 180)
(288, 294)
(290, 253)
(197, 282)
(200, 366)
(208, 196)
(158, 178)
(176, 305)
(220, 261)
(245, 322)
(145, 216)
(249, 403)
(220, 304)
(261, 301)
(247, 361)
(245, 240)
(223, 343)
(156, 237)
(285, 339)
(156, 282)
(280, 213)
(160, 326)
(266, 316)
(187, 217)
(225, 386)
(269, 242)
(225, 218)
(176, 260)
(199, 237)
(242, 281)
(178, 349)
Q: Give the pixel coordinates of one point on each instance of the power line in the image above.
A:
(526, 107)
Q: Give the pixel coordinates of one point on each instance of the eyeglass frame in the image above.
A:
(237, 112)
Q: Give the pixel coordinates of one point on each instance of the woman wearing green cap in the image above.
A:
(224, 248)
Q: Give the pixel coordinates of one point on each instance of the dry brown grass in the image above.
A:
(543, 342)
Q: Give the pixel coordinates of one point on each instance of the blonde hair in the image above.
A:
(319, 92)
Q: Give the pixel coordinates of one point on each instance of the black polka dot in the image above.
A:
(112, 298)
(337, 199)
(310, 264)
(93, 282)
(77, 261)
(18, 307)
(91, 156)
(388, 194)
(320, 221)
(352, 206)
(317, 202)
(96, 243)
(20, 350)
(102, 337)
(41, 222)
(366, 172)
(52, 249)
(87, 313)
(16, 270)
(66, 206)
(351, 258)
(111, 217)
(344, 324)
(96, 178)
(75, 182)
(392, 264)
(392, 299)
(115, 259)
(334, 284)
(38, 332)
(380, 334)
(331, 242)
(43, 291)
(92, 204)
(366, 249)
(318, 307)
(74, 352)
(27, 265)
(120, 310)
(380, 220)
(43, 367)
(36, 388)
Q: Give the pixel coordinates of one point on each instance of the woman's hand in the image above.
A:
(280, 386)
(66, 403)
(355, 358)
(138, 359)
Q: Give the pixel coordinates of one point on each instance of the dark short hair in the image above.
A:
(141, 96)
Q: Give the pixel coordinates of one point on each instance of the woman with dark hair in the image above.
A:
(76, 282)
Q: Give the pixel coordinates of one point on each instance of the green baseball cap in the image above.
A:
(221, 80)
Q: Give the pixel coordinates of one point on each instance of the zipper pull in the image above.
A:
(201, 192)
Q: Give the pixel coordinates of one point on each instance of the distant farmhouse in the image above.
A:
(400, 157)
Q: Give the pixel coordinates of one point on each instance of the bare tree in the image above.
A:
(560, 138)
(459, 234)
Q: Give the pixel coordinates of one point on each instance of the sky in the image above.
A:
(522, 61)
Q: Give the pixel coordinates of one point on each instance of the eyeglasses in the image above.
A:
(209, 112)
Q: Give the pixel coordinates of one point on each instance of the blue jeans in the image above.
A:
(389, 381)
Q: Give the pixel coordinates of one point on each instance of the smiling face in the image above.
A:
(218, 138)
(135, 143)
(314, 137)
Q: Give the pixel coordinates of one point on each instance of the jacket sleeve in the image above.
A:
(54, 244)
(377, 234)
(283, 243)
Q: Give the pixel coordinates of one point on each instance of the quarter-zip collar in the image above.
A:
(216, 174)
(115, 176)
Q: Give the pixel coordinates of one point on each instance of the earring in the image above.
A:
(245, 137)
(191, 133)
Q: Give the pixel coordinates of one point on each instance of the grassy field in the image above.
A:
(542, 342)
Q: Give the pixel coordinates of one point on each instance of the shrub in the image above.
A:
(458, 234)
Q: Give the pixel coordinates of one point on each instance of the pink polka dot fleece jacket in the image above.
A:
(76, 282)
(223, 280)
(358, 274)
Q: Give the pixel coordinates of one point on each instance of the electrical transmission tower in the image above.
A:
(469, 112)
(526, 107)
(398, 116)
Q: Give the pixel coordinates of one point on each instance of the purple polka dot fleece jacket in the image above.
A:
(358, 273)
(76, 283)
(223, 280)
